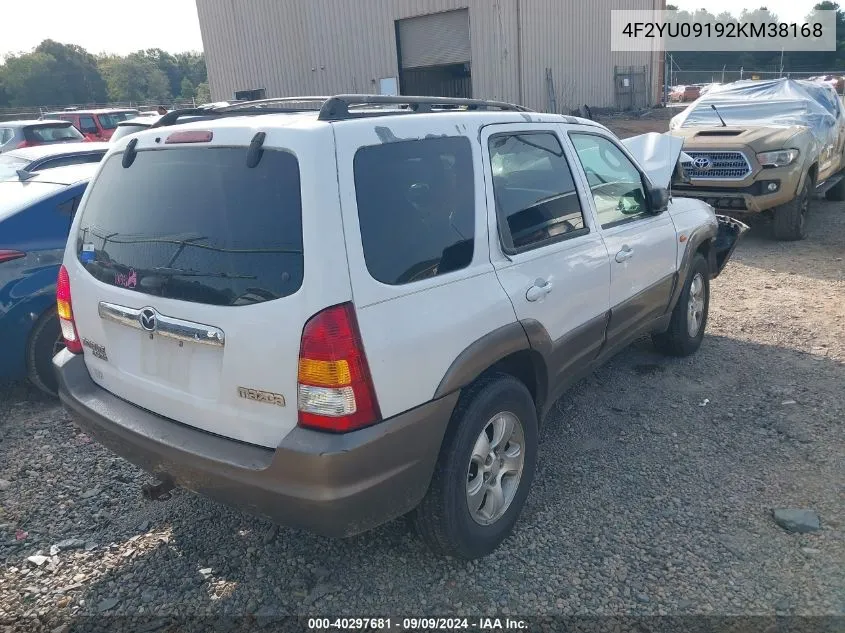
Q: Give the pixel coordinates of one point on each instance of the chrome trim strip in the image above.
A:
(169, 327)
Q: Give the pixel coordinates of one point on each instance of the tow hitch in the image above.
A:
(158, 491)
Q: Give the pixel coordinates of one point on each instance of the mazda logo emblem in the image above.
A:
(148, 319)
(702, 163)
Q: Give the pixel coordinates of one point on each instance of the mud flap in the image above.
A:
(730, 231)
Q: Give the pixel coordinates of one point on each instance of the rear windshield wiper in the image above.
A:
(183, 272)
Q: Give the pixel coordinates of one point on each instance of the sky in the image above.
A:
(124, 26)
(786, 10)
(101, 26)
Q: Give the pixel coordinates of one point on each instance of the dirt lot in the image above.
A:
(656, 482)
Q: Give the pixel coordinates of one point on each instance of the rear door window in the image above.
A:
(536, 199)
(196, 224)
(416, 208)
(6, 135)
(52, 133)
(87, 125)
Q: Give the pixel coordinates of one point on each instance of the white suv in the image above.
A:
(336, 316)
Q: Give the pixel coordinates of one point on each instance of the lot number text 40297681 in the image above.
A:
(417, 624)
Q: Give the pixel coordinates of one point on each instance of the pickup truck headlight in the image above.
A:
(779, 158)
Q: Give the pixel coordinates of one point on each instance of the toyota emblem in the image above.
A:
(701, 163)
(148, 319)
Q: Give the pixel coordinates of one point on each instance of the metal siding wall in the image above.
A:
(299, 47)
(573, 39)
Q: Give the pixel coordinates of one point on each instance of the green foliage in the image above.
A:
(803, 62)
(59, 74)
(203, 93)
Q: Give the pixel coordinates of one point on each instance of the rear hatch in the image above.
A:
(188, 280)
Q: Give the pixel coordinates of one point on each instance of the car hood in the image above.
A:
(658, 155)
(758, 138)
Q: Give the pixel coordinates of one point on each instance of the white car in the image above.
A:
(338, 316)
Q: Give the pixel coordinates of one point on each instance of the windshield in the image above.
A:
(57, 133)
(196, 224)
(9, 166)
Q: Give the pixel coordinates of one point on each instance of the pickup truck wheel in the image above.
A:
(689, 318)
(837, 192)
(45, 341)
(790, 221)
(484, 470)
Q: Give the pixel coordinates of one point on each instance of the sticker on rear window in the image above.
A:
(87, 254)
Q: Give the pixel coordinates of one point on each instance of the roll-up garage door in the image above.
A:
(435, 40)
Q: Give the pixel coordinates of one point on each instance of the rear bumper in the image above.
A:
(335, 485)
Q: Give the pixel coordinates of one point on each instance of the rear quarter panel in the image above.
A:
(28, 285)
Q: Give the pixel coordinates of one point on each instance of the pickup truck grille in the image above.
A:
(717, 166)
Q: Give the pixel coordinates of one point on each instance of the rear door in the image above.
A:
(544, 244)
(188, 273)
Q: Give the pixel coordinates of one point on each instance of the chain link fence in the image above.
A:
(26, 113)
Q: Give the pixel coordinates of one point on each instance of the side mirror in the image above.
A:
(658, 200)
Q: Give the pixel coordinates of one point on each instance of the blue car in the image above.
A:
(35, 217)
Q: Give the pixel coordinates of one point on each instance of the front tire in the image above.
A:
(484, 471)
(45, 341)
(790, 219)
(689, 318)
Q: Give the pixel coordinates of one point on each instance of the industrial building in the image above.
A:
(550, 55)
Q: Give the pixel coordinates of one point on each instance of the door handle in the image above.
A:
(625, 254)
(539, 290)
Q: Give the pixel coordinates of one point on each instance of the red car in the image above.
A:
(95, 125)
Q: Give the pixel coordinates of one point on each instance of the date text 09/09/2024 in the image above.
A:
(417, 624)
(723, 29)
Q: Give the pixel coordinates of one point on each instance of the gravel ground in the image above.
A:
(654, 495)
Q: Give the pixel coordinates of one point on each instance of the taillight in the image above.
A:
(335, 391)
(7, 256)
(65, 309)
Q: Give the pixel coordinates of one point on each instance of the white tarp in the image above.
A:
(777, 102)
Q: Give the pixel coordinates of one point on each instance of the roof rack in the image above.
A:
(339, 108)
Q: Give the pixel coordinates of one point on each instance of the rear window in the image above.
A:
(6, 135)
(196, 224)
(15, 195)
(52, 133)
(416, 208)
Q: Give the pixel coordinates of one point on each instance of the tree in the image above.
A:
(28, 79)
(134, 78)
(76, 78)
(187, 91)
(203, 93)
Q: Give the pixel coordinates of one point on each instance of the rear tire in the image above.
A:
(689, 318)
(45, 341)
(496, 483)
(790, 219)
(837, 192)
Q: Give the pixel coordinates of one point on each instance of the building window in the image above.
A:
(251, 95)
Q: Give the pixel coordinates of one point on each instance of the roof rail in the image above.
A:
(337, 108)
(261, 106)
